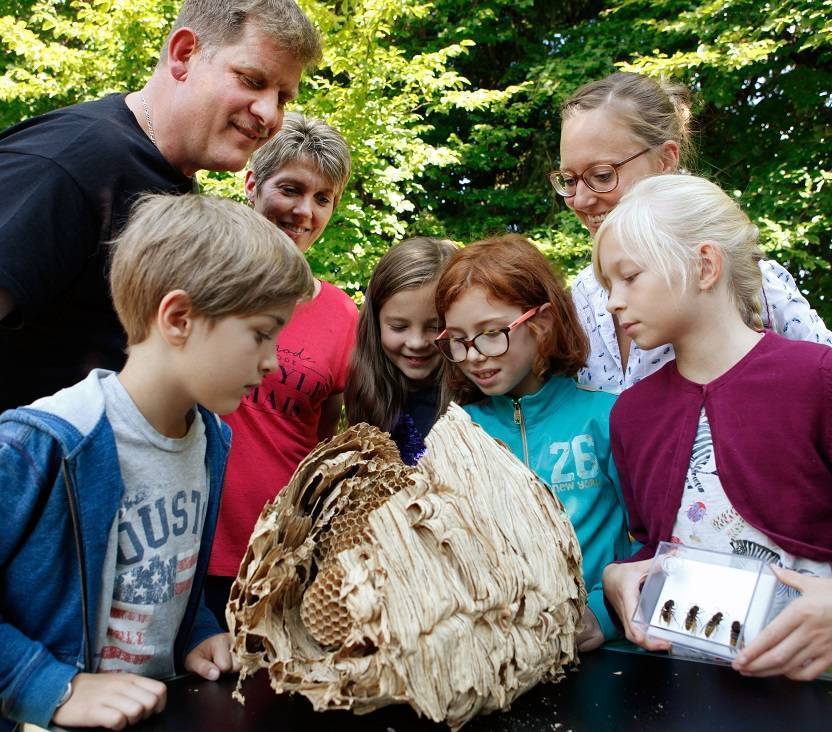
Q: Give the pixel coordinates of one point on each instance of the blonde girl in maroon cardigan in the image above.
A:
(729, 447)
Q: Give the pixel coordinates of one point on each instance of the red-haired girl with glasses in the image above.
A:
(513, 344)
(615, 132)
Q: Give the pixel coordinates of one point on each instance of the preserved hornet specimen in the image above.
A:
(712, 624)
(690, 620)
(667, 613)
(736, 627)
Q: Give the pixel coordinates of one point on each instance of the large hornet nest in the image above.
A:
(453, 586)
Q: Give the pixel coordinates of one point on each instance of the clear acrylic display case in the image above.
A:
(706, 602)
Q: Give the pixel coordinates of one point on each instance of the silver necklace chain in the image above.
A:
(150, 132)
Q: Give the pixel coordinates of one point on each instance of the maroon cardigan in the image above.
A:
(771, 422)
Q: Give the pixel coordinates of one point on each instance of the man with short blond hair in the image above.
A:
(69, 178)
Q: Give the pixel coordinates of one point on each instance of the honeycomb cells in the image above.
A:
(322, 610)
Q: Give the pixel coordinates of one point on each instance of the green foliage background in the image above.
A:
(450, 107)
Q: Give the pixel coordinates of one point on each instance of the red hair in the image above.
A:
(510, 269)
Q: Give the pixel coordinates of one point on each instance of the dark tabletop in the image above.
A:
(611, 690)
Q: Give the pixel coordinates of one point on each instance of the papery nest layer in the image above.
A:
(453, 586)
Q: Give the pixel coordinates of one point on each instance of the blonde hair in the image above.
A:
(661, 221)
(229, 259)
(304, 139)
(220, 23)
(653, 110)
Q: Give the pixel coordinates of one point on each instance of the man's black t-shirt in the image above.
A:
(68, 179)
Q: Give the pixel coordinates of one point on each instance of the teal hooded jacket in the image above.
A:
(562, 432)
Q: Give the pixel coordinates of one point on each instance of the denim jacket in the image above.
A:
(62, 489)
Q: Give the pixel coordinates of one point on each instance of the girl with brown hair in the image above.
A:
(393, 378)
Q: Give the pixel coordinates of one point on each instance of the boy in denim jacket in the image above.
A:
(111, 487)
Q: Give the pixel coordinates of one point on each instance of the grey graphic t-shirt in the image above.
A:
(159, 531)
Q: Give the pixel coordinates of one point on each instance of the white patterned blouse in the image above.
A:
(784, 310)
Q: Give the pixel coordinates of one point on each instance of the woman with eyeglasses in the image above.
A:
(615, 132)
(513, 345)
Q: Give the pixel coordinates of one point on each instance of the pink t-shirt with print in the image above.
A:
(276, 426)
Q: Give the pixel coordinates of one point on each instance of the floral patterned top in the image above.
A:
(784, 310)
